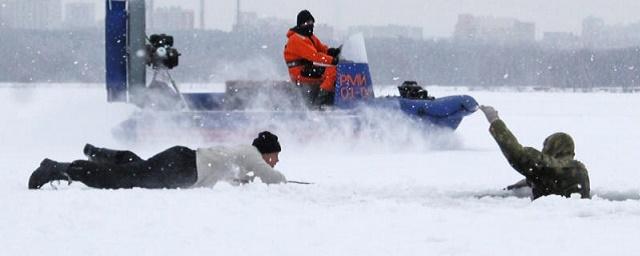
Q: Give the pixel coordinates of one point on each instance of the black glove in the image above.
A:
(334, 52)
(335, 61)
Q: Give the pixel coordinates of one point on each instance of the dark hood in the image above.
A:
(559, 145)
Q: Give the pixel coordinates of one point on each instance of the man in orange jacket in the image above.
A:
(311, 62)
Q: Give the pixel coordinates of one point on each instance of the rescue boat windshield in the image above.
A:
(354, 49)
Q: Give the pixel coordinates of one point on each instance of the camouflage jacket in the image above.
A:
(550, 172)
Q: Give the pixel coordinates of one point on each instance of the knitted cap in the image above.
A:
(304, 16)
(266, 143)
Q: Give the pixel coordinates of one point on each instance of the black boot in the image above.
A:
(93, 153)
(89, 151)
(110, 156)
(324, 98)
(49, 170)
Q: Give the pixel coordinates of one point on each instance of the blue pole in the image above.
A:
(116, 50)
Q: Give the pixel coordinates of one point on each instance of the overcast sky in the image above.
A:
(437, 17)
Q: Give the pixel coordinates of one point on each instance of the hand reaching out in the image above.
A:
(490, 113)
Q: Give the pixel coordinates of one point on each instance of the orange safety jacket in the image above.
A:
(302, 49)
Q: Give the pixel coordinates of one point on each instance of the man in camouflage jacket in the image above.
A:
(550, 172)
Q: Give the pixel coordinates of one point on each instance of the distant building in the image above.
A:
(596, 34)
(250, 22)
(246, 21)
(324, 32)
(3, 14)
(388, 31)
(80, 15)
(493, 30)
(150, 7)
(560, 40)
(593, 30)
(466, 28)
(31, 14)
(173, 18)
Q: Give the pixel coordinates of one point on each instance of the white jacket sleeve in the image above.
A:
(232, 164)
(263, 171)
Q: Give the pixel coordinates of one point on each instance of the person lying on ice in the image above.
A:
(176, 167)
(311, 62)
(553, 171)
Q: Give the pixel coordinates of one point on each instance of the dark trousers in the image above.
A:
(172, 168)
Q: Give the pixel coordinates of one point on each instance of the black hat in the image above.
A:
(304, 16)
(266, 143)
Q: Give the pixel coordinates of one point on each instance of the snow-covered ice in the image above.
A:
(366, 200)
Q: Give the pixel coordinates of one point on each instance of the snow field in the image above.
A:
(442, 197)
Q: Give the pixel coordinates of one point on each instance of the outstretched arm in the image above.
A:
(265, 172)
(522, 159)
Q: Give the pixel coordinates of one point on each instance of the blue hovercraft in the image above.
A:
(246, 107)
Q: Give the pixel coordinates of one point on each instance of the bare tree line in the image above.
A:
(78, 56)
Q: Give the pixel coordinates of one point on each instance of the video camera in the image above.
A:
(160, 52)
(411, 90)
